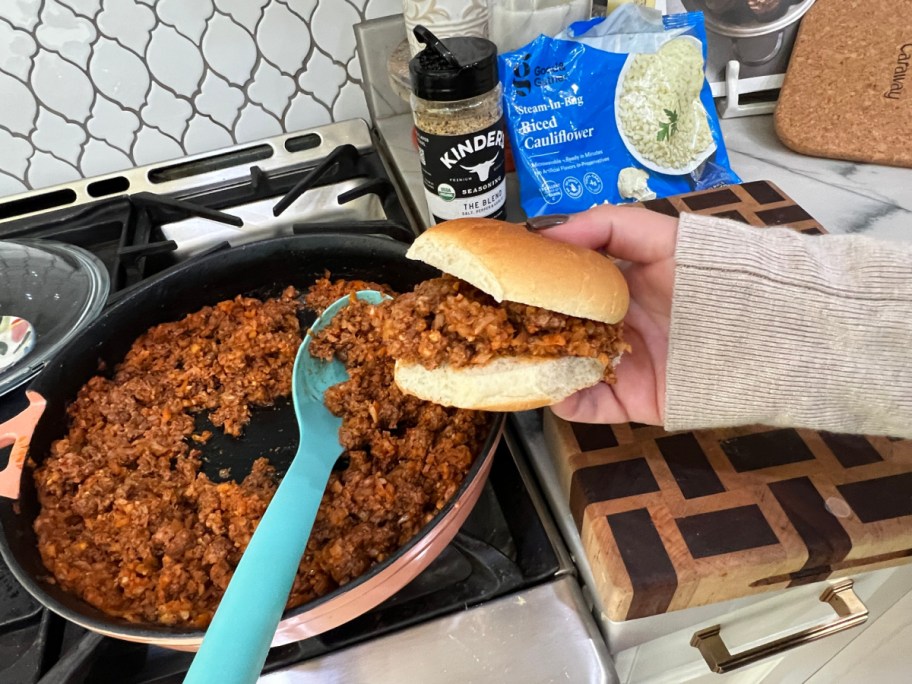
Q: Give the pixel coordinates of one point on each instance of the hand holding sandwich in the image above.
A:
(646, 240)
(708, 323)
(731, 325)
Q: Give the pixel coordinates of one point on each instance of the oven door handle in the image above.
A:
(843, 600)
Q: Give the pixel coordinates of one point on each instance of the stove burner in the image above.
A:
(375, 186)
(259, 181)
(147, 199)
(343, 156)
(23, 631)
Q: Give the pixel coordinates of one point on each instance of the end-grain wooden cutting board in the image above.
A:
(847, 93)
(674, 520)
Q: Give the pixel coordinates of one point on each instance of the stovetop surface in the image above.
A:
(502, 548)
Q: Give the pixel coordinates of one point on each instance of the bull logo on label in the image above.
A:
(482, 170)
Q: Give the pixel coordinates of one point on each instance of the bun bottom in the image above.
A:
(506, 384)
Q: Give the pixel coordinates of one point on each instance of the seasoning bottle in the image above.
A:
(456, 102)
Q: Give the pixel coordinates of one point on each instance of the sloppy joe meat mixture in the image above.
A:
(130, 523)
(446, 321)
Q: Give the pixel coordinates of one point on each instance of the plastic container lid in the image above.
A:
(453, 69)
(57, 288)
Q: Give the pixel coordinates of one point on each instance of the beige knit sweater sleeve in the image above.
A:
(770, 326)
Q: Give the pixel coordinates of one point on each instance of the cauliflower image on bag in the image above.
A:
(659, 112)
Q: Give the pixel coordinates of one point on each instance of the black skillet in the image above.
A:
(261, 269)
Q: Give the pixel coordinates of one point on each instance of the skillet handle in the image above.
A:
(18, 432)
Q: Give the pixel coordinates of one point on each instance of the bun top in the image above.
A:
(510, 263)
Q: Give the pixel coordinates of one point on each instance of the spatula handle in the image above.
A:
(237, 641)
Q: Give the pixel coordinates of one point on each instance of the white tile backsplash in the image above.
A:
(99, 157)
(271, 88)
(339, 44)
(10, 185)
(229, 49)
(255, 122)
(219, 99)
(93, 86)
(174, 61)
(17, 47)
(61, 85)
(86, 8)
(152, 145)
(128, 23)
(112, 124)
(204, 134)
(16, 154)
(247, 13)
(118, 73)
(17, 115)
(22, 13)
(65, 32)
(190, 18)
(283, 37)
(47, 169)
(58, 136)
(323, 77)
(168, 112)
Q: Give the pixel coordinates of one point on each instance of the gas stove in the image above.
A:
(143, 220)
(508, 556)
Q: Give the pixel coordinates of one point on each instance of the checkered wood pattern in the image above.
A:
(759, 203)
(674, 520)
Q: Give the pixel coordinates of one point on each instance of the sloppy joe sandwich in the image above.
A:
(516, 322)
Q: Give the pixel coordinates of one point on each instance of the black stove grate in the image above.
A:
(124, 232)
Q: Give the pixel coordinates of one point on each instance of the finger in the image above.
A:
(629, 233)
(596, 404)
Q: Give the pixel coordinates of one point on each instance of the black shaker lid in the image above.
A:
(453, 68)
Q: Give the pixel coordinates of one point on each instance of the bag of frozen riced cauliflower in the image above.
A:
(613, 110)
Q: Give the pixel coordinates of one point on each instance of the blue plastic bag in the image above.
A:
(578, 115)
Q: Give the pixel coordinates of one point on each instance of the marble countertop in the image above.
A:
(845, 197)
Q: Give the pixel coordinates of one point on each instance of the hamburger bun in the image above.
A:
(505, 384)
(512, 264)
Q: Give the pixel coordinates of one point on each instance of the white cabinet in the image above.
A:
(883, 654)
(670, 659)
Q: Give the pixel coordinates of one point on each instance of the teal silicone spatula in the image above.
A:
(237, 641)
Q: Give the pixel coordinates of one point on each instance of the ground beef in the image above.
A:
(446, 321)
(328, 291)
(128, 521)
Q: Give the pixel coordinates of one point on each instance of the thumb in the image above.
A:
(629, 233)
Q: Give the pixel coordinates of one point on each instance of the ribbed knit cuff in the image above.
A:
(774, 327)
